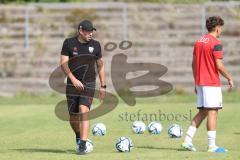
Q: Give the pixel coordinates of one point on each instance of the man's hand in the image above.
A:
(77, 84)
(102, 93)
(102, 77)
(231, 84)
(224, 72)
(195, 90)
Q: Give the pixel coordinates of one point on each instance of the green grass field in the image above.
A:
(29, 129)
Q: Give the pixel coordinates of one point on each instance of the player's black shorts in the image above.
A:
(76, 98)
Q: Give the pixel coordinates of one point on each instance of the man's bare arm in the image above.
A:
(224, 72)
(193, 68)
(102, 77)
(193, 71)
(64, 65)
(101, 71)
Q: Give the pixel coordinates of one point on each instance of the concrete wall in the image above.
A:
(31, 38)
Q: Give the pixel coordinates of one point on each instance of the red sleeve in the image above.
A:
(218, 51)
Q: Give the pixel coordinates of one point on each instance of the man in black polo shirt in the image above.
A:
(78, 58)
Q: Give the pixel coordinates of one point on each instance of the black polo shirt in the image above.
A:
(82, 58)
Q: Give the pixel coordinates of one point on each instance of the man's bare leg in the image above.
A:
(196, 122)
(75, 124)
(85, 124)
(211, 127)
(84, 128)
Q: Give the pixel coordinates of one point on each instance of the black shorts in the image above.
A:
(76, 98)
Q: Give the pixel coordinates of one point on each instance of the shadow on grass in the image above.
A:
(160, 148)
(170, 149)
(237, 133)
(45, 150)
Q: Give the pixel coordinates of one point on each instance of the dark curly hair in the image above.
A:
(214, 21)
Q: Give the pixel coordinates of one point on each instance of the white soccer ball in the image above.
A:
(138, 127)
(175, 131)
(124, 144)
(89, 146)
(155, 128)
(99, 129)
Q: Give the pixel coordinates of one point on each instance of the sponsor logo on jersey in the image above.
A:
(75, 51)
(204, 40)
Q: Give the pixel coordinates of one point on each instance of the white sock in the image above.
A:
(189, 134)
(211, 139)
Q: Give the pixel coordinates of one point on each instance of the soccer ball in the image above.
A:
(89, 146)
(99, 129)
(138, 127)
(175, 131)
(124, 144)
(155, 128)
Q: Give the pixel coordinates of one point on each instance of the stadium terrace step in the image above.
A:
(165, 36)
(22, 84)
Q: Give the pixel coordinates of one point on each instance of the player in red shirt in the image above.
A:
(206, 66)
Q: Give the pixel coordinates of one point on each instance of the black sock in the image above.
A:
(77, 135)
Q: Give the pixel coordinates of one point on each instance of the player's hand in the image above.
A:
(231, 84)
(102, 93)
(195, 90)
(77, 84)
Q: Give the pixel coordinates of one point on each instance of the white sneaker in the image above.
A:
(217, 150)
(188, 146)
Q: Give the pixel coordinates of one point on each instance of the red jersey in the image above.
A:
(206, 50)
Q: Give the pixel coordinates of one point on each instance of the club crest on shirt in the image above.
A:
(75, 51)
(91, 49)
